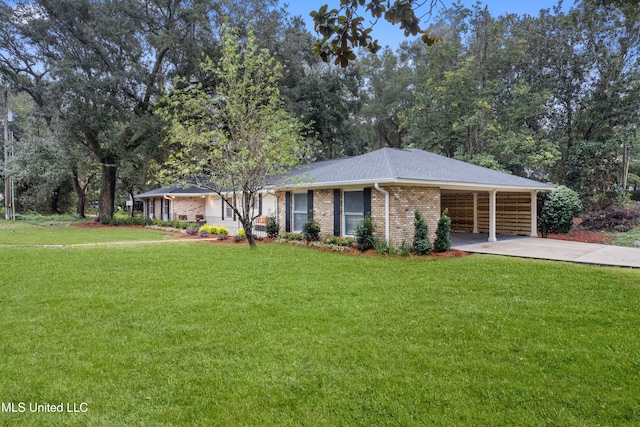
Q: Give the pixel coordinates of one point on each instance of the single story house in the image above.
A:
(199, 205)
(389, 184)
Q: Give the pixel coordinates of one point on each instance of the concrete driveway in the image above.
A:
(549, 249)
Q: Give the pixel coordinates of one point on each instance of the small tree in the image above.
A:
(421, 243)
(443, 233)
(235, 137)
(556, 210)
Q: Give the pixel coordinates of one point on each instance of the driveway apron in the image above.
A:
(549, 249)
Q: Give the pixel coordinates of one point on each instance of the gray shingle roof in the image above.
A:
(173, 189)
(397, 165)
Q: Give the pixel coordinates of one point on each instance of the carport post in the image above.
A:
(534, 213)
(492, 215)
(475, 213)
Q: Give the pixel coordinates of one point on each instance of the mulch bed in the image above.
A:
(584, 236)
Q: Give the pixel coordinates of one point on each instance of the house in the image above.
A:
(389, 184)
(200, 205)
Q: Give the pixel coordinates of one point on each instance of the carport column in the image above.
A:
(475, 213)
(492, 215)
(534, 213)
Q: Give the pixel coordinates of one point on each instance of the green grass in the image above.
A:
(20, 233)
(205, 334)
(628, 238)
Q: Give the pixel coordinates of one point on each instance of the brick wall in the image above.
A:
(402, 203)
(189, 206)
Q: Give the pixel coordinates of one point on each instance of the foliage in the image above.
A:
(421, 244)
(343, 30)
(364, 234)
(272, 227)
(233, 137)
(311, 230)
(443, 233)
(557, 209)
(617, 219)
(340, 241)
(214, 229)
(241, 233)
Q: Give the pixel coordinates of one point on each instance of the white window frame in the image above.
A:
(294, 211)
(345, 213)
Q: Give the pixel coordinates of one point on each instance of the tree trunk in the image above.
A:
(81, 193)
(106, 203)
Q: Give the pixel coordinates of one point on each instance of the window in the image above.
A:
(353, 211)
(299, 211)
(228, 214)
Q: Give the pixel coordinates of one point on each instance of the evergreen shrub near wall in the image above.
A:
(421, 243)
(364, 234)
(443, 233)
(311, 230)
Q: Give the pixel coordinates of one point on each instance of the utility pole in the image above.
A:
(7, 187)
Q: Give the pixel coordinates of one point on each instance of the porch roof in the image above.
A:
(174, 190)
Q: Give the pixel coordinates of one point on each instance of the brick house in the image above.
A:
(391, 183)
(387, 183)
(199, 205)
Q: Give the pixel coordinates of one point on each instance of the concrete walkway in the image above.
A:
(549, 249)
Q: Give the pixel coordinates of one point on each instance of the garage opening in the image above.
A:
(469, 212)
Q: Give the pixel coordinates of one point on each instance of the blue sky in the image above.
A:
(388, 35)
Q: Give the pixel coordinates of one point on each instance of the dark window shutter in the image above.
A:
(287, 212)
(310, 204)
(223, 203)
(367, 201)
(336, 212)
(260, 204)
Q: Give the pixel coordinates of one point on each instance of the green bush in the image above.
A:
(364, 234)
(311, 230)
(273, 228)
(443, 233)
(241, 233)
(214, 229)
(421, 243)
(556, 210)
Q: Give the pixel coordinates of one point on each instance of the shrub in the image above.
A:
(381, 246)
(241, 233)
(273, 228)
(191, 231)
(421, 243)
(404, 249)
(443, 234)
(364, 234)
(311, 230)
(618, 219)
(556, 210)
(214, 229)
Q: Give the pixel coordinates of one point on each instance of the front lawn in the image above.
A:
(206, 334)
(43, 233)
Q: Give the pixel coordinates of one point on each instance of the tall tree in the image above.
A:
(235, 136)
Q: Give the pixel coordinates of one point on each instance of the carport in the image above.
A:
(492, 211)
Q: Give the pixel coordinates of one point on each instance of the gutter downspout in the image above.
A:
(162, 209)
(386, 211)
